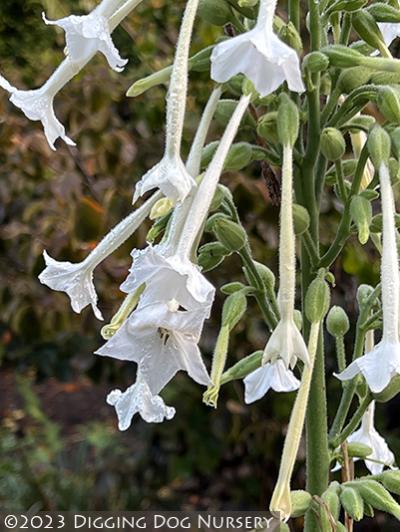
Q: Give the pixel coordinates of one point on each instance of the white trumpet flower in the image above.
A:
(169, 277)
(383, 362)
(37, 104)
(162, 340)
(260, 55)
(88, 34)
(367, 434)
(273, 375)
(76, 280)
(170, 174)
(139, 399)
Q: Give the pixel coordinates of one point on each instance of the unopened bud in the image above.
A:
(388, 102)
(287, 121)
(267, 127)
(217, 199)
(301, 219)
(230, 234)
(211, 255)
(384, 12)
(379, 146)
(352, 78)
(225, 110)
(347, 5)
(391, 481)
(243, 368)
(301, 501)
(363, 293)
(317, 299)
(291, 37)
(352, 503)
(234, 308)
(157, 229)
(337, 322)
(248, 89)
(361, 214)
(239, 156)
(209, 227)
(267, 276)
(231, 288)
(331, 500)
(315, 62)
(358, 450)
(215, 13)
(395, 137)
(367, 28)
(378, 497)
(162, 208)
(342, 57)
(333, 145)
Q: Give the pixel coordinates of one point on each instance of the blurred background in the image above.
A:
(59, 443)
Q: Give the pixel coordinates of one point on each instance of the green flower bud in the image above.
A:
(225, 110)
(333, 145)
(234, 308)
(315, 62)
(231, 288)
(267, 276)
(230, 234)
(217, 199)
(391, 481)
(363, 293)
(331, 499)
(245, 7)
(337, 322)
(361, 214)
(211, 255)
(239, 155)
(157, 229)
(209, 227)
(298, 319)
(163, 207)
(342, 57)
(287, 121)
(388, 102)
(384, 12)
(366, 27)
(291, 37)
(301, 500)
(267, 127)
(394, 170)
(379, 146)
(301, 219)
(378, 497)
(215, 13)
(358, 450)
(248, 89)
(242, 368)
(347, 5)
(340, 527)
(360, 121)
(352, 503)
(317, 299)
(352, 78)
(369, 194)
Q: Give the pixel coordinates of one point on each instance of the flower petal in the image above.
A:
(287, 343)
(187, 354)
(273, 375)
(138, 399)
(75, 280)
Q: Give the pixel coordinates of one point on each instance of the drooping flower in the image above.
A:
(169, 277)
(76, 280)
(367, 434)
(260, 55)
(38, 105)
(139, 399)
(162, 340)
(383, 362)
(273, 375)
(85, 35)
(170, 174)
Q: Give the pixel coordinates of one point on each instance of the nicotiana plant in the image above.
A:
(322, 91)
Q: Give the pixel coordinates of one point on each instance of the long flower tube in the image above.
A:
(37, 104)
(206, 190)
(383, 362)
(77, 279)
(170, 174)
(280, 504)
(286, 341)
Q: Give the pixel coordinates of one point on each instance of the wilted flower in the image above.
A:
(170, 174)
(273, 375)
(260, 55)
(383, 362)
(139, 399)
(76, 280)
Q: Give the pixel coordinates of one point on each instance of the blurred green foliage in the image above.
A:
(59, 445)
